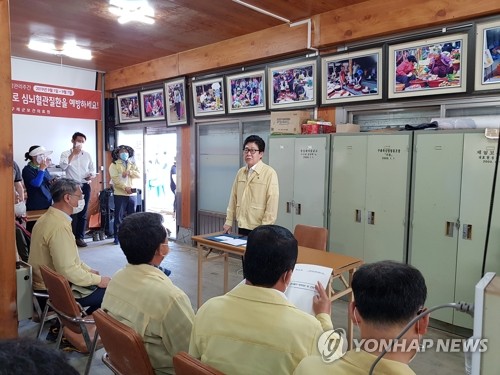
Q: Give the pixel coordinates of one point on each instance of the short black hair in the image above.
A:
(78, 134)
(388, 292)
(24, 356)
(63, 186)
(412, 59)
(140, 234)
(257, 140)
(271, 251)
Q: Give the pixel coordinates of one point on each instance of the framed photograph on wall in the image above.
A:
(293, 85)
(487, 69)
(152, 105)
(176, 109)
(428, 67)
(352, 76)
(128, 108)
(208, 97)
(246, 92)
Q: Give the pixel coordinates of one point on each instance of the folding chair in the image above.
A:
(311, 236)
(125, 352)
(185, 364)
(78, 328)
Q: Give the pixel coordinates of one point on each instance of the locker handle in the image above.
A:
(371, 218)
(288, 209)
(450, 225)
(357, 216)
(467, 232)
(298, 209)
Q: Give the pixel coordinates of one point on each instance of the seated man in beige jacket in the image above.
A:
(253, 329)
(53, 245)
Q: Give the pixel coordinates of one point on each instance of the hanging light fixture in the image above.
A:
(70, 49)
(132, 10)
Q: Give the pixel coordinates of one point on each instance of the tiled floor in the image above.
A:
(182, 260)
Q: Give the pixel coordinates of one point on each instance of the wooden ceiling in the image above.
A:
(180, 25)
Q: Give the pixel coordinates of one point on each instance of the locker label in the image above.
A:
(308, 153)
(389, 153)
(487, 155)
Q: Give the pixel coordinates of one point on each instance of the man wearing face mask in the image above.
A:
(53, 245)
(79, 166)
(262, 332)
(123, 171)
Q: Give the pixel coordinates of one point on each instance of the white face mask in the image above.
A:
(79, 208)
(78, 145)
(40, 159)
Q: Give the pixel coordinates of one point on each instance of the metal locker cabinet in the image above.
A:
(301, 163)
(387, 188)
(437, 177)
(281, 150)
(477, 178)
(347, 194)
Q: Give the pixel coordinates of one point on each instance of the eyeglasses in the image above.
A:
(250, 150)
(78, 196)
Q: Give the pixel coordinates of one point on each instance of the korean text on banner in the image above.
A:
(38, 99)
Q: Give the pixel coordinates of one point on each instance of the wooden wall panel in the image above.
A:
(377, 18)
(8, 311)
(140, 74)
(273, 42)
(245, 50)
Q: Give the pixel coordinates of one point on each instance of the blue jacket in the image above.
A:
(37, 185)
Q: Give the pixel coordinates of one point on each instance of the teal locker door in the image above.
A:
(477, 178)
(347, 195)
(387, 176)
(437, 176)
(310, 182)
(281, 158)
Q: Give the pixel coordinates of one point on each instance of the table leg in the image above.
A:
(200, 276)
(226, 271)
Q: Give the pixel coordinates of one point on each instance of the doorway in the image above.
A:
(160, 182)
(155, 154)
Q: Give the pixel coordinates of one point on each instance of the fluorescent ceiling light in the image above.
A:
(132, 10)
(70, 49)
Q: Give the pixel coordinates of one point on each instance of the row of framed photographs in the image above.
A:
(424, 67)
(168, 102)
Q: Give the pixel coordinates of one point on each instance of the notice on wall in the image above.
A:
(38, 99)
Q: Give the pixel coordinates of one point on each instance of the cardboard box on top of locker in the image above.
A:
(288, 122)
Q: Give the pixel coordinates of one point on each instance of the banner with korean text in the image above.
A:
(38, 99)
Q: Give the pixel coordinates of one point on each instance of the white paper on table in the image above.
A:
(302, 289)
(235, 241)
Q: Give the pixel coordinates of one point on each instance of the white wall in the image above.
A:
(54, 133)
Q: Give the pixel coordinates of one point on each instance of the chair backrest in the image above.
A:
(77, 327)
(185, 364)
(125, 351)
(311, 236)
(61, 298)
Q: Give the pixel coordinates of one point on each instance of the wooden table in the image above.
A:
(209, 250)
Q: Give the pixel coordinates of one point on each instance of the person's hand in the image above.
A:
(321, 302)
(226, 229)
(125, 174)
(43, 165)
(128, 190)
(104, 282)
(95, 272)
(75, 151)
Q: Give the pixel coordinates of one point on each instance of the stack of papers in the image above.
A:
(231, 240)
